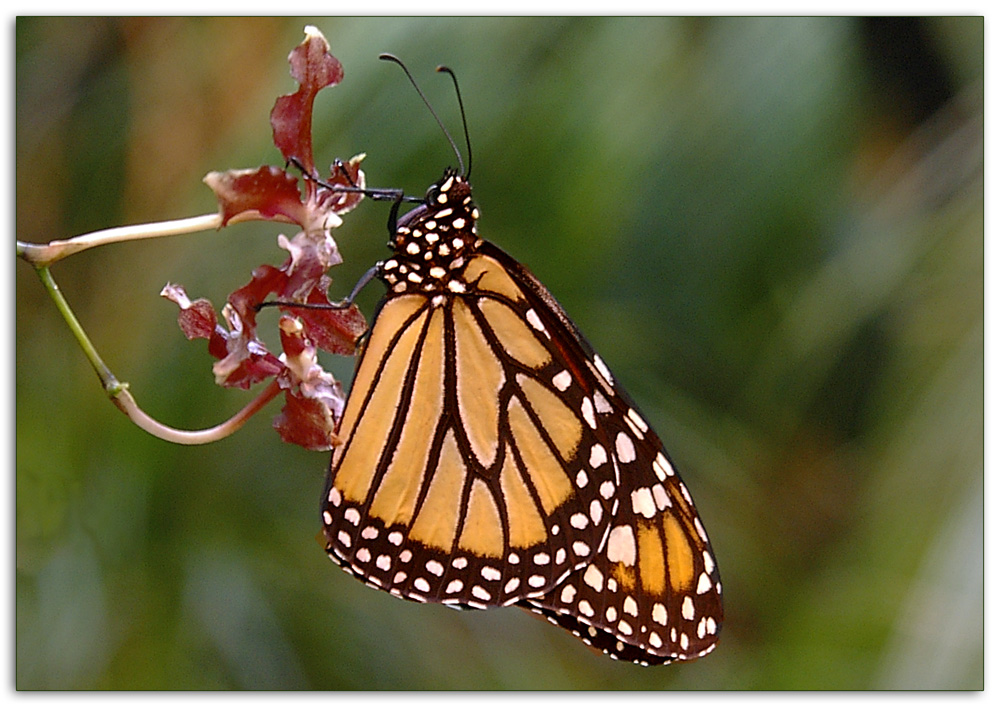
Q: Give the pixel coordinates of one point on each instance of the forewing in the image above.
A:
(471, 470)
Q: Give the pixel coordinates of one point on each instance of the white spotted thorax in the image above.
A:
(429, 254)
(488, 457)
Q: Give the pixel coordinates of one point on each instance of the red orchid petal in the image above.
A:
(333, 330)
(314, 68)
(243, 359)
(246, 367)
(305, 422)
(264, 281)
(345, 174)
(311, 257)
(266, 193)
(314, 399)
(196, 318)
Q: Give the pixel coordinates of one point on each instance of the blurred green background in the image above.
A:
(772, 229)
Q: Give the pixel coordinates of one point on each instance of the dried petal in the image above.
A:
(314, 399)
(314, 68)
(265, 280)
(333, 330)
(197, 319)
(305, 422)
(247, 360)
(345, 174)
(266, 193)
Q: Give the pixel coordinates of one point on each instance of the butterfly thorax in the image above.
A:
(434, 241)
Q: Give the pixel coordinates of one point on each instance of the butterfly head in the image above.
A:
(434, 241)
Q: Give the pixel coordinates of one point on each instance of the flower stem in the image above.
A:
(126, 403)
(119, 392)
(41, 255)
(108, 380)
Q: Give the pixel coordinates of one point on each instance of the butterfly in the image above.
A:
(489, 457)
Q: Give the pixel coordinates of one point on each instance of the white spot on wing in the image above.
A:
(687, 608)
(662, 467)
(536, 323)
(596, 511)
(642, 502)
(704, 584)
(660, 496)
(593, 578)
(587, 409)
(624, 448)
(435, 568)
(562, 380)
(601, 403)
(637, 419)
(603, 368)
(709, 561)
(621, 545)
(598, 456)
(568, 592)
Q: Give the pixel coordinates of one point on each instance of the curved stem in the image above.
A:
(121, 396)
(126, 403)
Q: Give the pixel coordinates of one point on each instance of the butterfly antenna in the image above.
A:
(394, 58)
(465, 124)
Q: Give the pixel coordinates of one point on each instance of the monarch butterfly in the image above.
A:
(489, 457)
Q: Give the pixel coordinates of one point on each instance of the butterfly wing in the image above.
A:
(468, 473)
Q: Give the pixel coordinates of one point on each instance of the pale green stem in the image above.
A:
(126, 403)
(41, 255)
